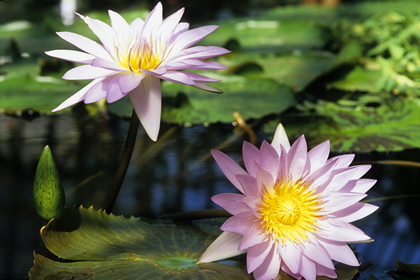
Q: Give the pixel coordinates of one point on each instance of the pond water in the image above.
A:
(174, 174)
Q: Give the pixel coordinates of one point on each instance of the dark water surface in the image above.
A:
(174, 174)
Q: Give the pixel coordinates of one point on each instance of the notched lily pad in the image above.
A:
(95, 245)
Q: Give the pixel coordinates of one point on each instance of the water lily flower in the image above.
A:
(133, 58)
(294, 209)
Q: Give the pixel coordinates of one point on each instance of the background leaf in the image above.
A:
(186, 104)
(389, 127)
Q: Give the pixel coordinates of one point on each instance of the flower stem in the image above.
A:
(123, 164)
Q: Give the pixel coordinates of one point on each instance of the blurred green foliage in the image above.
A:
(311, 67)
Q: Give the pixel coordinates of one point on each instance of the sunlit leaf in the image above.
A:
(296, 69)
(389, 127)
(22, 88)
(360, 79)
(186, 104)
(102, 246)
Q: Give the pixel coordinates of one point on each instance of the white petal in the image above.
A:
(297, 156)
(198, 52)
(87, 72)
(229, 167)
(113, 90)
(190, 37)
(340, 252)
(341, 231)
(321, 175)
(225, 246)
(200, 78)
(291, 256)
(107, 64)
(269, 159)
(318, 156)
(339, 178)
(153, 20)
(77, 97)
(335, 201)
(355, 212)
(73, 56)
(119, 25)
(314, 251)
(167, 27)
(103, 31)
(136, 27)
(257, 254)
(307, 268)
(264, 179)
(85, 44)
(249, 184)
(359, 186)
(177, 77)
(250, 154)
(207, 88)
(180, 28)
(231, 202)
(98, 91)
(280, 138)
(270, 268)
(147, 102)
(129, 81)
(342, 160)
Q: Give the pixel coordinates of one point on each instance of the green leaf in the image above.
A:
(294, 69)
(48, 191)
(408, 268)
(91, 244)
(389, 127)
(22, 88)
(359, 79)
(103, 246)
(186, 104)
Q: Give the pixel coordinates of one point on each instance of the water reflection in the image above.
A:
(174, 174)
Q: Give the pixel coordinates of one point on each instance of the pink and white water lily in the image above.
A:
(133, 58)
(294, 209)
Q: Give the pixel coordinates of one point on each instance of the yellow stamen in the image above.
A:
(140, 56)
(290, 211)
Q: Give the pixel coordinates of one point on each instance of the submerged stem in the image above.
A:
(123, 164)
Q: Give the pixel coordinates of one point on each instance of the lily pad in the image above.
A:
(293, 69)
(378, 76)
(389, 127)
(91, 244)
(94, 245)
(186, 104)
(23, 92)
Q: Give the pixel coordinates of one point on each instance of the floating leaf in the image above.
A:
(389, 127)
(48, 191)
(359, 79)
(103, 246)
(408, 268)
(186, 104)
(90, 244)
(22, 88)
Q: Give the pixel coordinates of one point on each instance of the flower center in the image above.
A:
(140, 56)
(290, 211)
